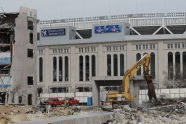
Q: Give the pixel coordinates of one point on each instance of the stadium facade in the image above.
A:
(77, 53)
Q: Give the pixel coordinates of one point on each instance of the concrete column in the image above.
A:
(118, 64)
(112, 65)
(95, 94)
(57, 59)
(74, 65)
(125, 63)
(63, 70)
(47, 68)
(161, 63)
(90, 67)
(134, 86)
(84, 70)
(181, 64)
(174, 65)
(141, 67)
(156, 64)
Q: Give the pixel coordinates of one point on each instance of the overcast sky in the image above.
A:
(59, 9)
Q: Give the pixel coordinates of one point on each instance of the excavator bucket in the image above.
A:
(151, 90)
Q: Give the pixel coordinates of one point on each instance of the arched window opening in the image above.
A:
(80, 68)
(121, 64)
(138, 57)
(177, 66)
(93, 66)
(54, 69)
(184, 65)
(87, 68)
(60, 69)
(66, 68)
(40, 69)
(109, 65)
(170, 66)
(115, 65)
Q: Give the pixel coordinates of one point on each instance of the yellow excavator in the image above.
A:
(116, 97)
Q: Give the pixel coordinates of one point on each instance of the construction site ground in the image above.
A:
(172, 111)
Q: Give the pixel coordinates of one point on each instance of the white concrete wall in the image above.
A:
(164, 93)
(81, 96)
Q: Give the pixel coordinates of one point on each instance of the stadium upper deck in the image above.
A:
(140, 24)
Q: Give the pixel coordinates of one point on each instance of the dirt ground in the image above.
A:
(171, 111)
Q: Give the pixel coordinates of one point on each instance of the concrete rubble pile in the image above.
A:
(63, 111)
(168, 114)
(18, 113)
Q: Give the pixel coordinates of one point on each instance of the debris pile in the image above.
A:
(16, 109)
(63, 111)
(18, 113)
(174, 113)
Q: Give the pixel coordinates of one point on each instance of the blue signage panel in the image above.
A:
(99, 29)
(5, 60)
(53, 32)
(113, 28)
(107, 29)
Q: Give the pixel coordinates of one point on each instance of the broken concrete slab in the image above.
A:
(84, 118)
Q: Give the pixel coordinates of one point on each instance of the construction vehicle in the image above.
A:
(124, 96)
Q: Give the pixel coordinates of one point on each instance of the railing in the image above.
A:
(113, 17)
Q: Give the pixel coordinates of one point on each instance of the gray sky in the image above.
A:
(58, 9)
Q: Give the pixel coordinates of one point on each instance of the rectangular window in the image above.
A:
(182, 45)
(150, 46)
(178, 45)
(30, 80)
(31, 37)
(139, 47)
(38, 36)
(136, 47)
(143, 46)
(171, 45)
(30, 53)
(168, 46)
(20, 99)
(146, 46)
(175, 45)
(30, 25)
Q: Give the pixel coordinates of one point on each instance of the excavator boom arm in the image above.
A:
(144, 61)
